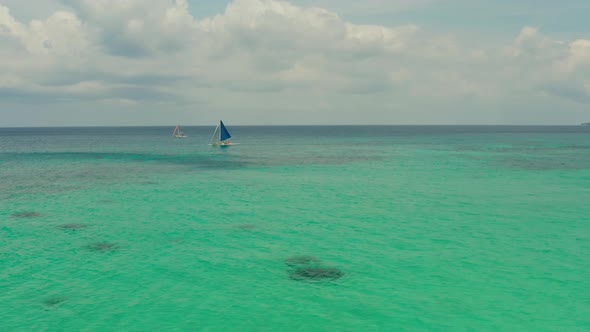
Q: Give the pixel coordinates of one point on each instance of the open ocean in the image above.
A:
(416, 228)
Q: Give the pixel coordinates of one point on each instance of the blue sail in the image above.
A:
(223, 133)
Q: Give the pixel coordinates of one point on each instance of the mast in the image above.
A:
(215, 139)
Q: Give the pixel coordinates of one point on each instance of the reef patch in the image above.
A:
(27, 214)
(72, 226)
(54, 301)
(316, 274)
(310, 268)
(102, 247)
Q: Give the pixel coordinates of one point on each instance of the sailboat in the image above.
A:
(178, 132)
(221, 136)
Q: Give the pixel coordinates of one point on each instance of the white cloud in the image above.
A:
(367, 8)
(266, 54)
(62, 33)
(579, 55)
(136, 27)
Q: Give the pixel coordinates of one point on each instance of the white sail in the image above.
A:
(178, 132)
(215, 138)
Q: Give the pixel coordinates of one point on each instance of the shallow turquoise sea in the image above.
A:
(433, 228)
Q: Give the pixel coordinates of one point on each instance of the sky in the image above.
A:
(271, 62)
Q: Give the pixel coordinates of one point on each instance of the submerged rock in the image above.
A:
(53, 301)
(309, 268)
(103, 247)
(245, 227)
(26, 214)
(316, 274)
(106, 201)
(72, 226)
(301, 260)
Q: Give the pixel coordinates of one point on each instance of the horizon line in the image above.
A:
(304, 125)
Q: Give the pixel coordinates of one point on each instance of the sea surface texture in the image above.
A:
(295, 229)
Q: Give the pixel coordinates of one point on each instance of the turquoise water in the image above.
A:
(433, 228)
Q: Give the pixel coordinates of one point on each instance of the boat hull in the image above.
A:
(223, 145)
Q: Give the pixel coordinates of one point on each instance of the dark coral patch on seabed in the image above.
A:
(26, 214)
(245, 227)
(316, 274)
(54, 301)
(106, 201)
(72, 226)
(309, 268)
(102, 247)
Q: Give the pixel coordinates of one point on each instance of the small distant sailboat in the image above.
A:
(178, 132)
(221, 136)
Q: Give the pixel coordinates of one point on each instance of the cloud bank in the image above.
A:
(272, 62)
